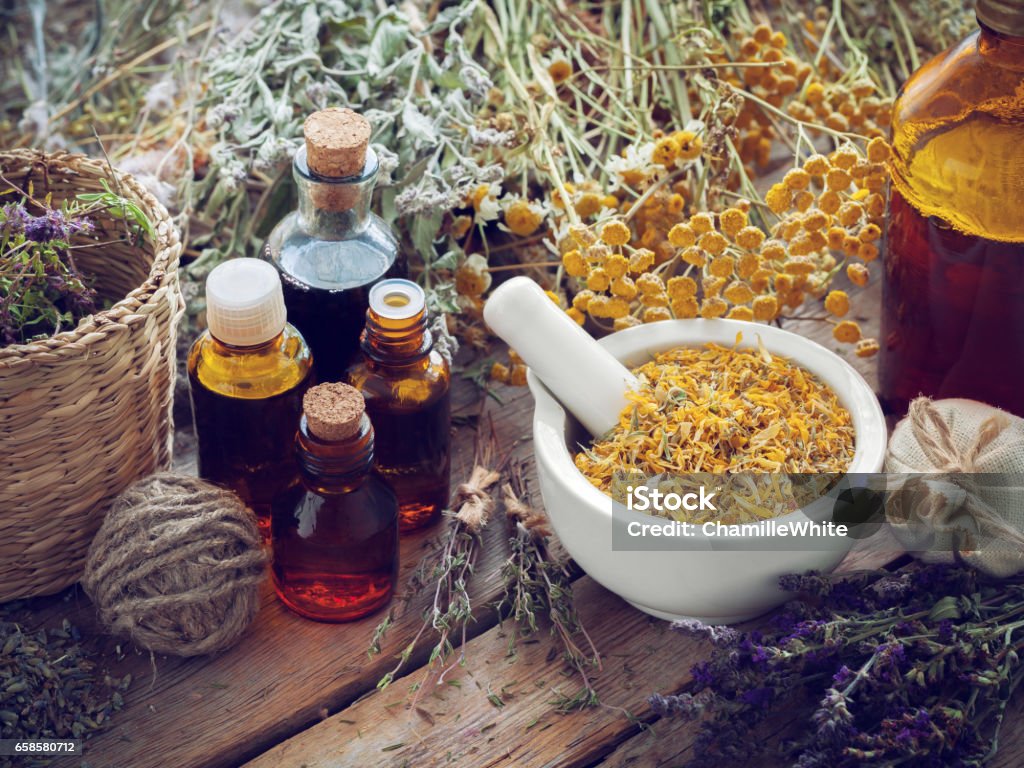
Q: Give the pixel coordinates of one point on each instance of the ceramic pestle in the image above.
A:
(580, 373)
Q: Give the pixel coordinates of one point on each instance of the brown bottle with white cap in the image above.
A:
(335, 529)
(332, 249)
(247, 374)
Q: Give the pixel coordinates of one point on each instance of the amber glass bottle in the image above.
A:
(247, 374)
(333, 248)
(406, 385)
(335, 529)
(953, 308)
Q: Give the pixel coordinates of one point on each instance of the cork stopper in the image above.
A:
(333, 411)
(336, 142)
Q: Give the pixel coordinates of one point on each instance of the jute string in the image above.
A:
(176, 566)
(949, 499)
(475, 504)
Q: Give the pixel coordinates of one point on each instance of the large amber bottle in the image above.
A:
(335, 529)
(247, 374)
(953, 308)
(406, 384)
(333, 248)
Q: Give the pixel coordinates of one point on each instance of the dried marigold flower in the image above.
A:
(659, 299)
(838, 303)
(799, 265)
(765, 308)
(650, 284)
(702, 223)
(577, 316)
(560, 71)
(875, 205)
(851, 245)
(666, 151)
(685, 307)
(738, 292)
(875, 182)
(760, 279)
(598, 280)
(762, 33)
(849, 214)
(878, 150)
(713, 307)
(682, 236)
(574, 263)
(624, 288)
(858, 274)
(616, 265)
(741, 313)
(846, 332)
(610, 201)
(773, 250)
(581, 235)
(615, 233)
(731, 221)
(713, 242)
(460, 226)
(750, 238)
(694, 255)
(721, 266)
(845, 158)
(499, 372)
(778, 198)
(690, 144)
(618, 307)
(866, 348)
(472, 278)
(675, 204)
(598, 307)
(641, 260)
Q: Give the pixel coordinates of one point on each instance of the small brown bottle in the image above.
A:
(406, 385)
(335, 530)
(247, 374)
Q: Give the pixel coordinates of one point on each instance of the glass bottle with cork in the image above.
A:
(332, 249)
(247, 373)
(406, 384)
(335, 528)
(953, 296)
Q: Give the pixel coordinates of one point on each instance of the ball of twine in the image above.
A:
(176, 566)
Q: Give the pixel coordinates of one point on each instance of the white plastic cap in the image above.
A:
(397, 299)
(244, 302)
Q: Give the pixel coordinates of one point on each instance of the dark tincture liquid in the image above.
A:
(335, 554)
(953, 314)
(246, 444)
(413, 454)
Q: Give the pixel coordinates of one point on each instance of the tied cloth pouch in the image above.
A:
(956, 475)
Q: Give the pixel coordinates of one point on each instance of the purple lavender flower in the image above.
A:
(54, 226)
(843, 676)
(703, 675)
(15, 218)
(685, 705)
(946, 631)
(833, 718)
(758, 698)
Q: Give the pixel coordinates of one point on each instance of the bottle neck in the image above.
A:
(231, 350)
(334, 209)
(335, 467)
(394, 342)
(1002, 18)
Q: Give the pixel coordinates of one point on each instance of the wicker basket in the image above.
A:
(86, 412)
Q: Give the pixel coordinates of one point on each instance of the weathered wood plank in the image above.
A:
(461, 723)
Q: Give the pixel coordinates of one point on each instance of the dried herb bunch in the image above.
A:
(913, 668)
(446, 571)
(48, 686)
(42, 291)
(538, 583)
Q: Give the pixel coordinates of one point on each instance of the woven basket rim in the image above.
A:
(166, 252)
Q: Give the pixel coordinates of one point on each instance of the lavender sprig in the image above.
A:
(910, 669)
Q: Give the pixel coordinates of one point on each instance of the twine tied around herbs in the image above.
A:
(948, 501)
(473, 499)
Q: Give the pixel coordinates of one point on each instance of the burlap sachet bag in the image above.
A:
(956, 481)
